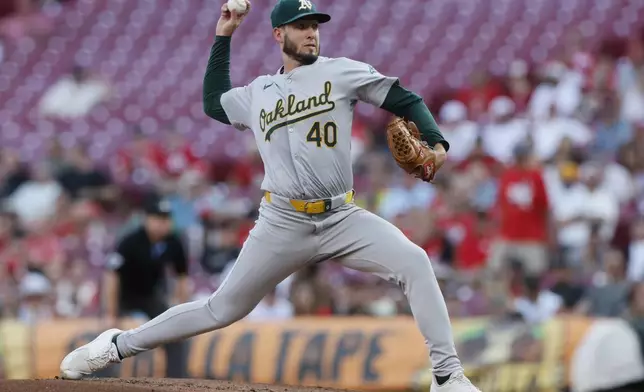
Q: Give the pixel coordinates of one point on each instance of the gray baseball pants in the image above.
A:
(282, 242)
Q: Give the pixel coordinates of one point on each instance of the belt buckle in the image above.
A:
(315, 206)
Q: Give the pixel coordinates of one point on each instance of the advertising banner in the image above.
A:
(354, 353)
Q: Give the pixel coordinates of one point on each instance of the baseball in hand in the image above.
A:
(238, 6)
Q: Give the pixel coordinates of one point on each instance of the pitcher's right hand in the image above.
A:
(230, 20)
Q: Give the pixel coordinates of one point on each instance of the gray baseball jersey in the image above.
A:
(302, 123)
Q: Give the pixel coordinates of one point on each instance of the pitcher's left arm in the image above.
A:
(409, 105)
(366, 84)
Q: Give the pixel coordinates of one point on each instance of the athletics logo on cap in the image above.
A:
(288, 11)
(305, 5)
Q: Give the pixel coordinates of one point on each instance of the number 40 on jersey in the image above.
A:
(326, 134)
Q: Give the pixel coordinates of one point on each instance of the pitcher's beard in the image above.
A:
(303, 58)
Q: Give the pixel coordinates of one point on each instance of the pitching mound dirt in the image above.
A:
(145, 384)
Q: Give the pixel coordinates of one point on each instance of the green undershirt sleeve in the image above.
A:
(217, 79)
(406, 104)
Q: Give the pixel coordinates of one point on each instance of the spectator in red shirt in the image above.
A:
(44, 248)
(472, 252)
(523, 206)
(477, 97)
(458, 219)
(141, 154)
(479, 156)
(178, 155)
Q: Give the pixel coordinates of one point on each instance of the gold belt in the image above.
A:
(316, 206)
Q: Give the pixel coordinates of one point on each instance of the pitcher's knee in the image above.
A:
(415, 263)
(226, 311)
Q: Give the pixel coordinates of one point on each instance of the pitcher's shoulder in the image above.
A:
(344, 63)
(261, 80)
(336, 61)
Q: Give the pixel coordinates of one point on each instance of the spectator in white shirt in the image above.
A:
(551, 131)
(405, 196)
(636, 252)
(36, 302)
(75, 291)
(627, 65)
(73, 95)
(602, 206)
(537, 305)
(565, 157)
(272, 307)
(458, 130)
(618, 181)
(630, 75)
(35, 200)
(505, 131)
(567, 196)
(543, 96)
(633, 98)
(577, 205)
(559, 87)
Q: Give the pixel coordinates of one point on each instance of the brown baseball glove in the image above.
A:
(410, 153)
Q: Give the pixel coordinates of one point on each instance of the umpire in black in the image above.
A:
(136, 281)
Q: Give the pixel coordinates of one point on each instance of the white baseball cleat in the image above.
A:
(457, 383)
(93, 356)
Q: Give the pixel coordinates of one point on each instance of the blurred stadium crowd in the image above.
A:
(545, 182)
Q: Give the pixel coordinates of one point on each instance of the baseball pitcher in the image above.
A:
(301, 119)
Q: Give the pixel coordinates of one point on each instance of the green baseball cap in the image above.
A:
(288, 11)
